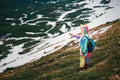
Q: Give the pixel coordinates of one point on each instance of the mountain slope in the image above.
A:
(33, 28)
(62, 64)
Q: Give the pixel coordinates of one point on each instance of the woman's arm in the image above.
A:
(75, 35)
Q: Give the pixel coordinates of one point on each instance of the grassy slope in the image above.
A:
(62, 65)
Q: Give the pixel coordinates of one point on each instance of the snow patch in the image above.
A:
(1, 43)
(13, 24)
(39, 16)
(61, 18)
(9, 19)
(51, 23)
(100, 31)
(63, 28)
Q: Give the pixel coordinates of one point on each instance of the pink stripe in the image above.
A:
(88, 54)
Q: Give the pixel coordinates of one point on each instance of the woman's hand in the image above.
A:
(81, 54)
(71, 34)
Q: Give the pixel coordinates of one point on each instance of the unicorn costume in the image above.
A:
(83, 48)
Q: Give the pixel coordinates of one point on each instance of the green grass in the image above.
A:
(4, 51)
(8, 10)
(19, 31)
(62, 64)
(28, 47)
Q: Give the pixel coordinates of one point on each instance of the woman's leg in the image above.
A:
(86, 59)
(82, 61)
(86, 62)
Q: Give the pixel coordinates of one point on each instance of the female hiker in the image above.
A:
(84, 54)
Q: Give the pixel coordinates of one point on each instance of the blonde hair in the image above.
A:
(84, 28)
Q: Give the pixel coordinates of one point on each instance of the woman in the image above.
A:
(84, 54)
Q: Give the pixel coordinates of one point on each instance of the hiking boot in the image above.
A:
(86, 66)
(80, 69)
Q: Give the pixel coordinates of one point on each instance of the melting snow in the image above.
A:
(61, 18)
(102, 30)
(1, 42)
(63, 28)
(9, 18)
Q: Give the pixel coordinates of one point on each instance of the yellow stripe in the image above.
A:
(82, 61)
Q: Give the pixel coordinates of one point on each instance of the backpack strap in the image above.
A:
(87, 38)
